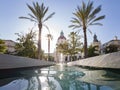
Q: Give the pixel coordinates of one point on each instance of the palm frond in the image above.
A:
(96, 11)
(90, 31)
(80, 13)
(89, 8)
(86, 15)
(96, 24)
(90, 19)
(38, 11)
(74, 26)
(75, 20)
(98, 18)
(27, 18)
(49, 16)
(45, 11)
(42, 8)
(32, 9)
(41, 11)
(78, 31)
(32, 16)
(83, 6)
(78, 19)
(46, 27)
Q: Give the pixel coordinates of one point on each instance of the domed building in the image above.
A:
(59, 57)
(61, 39)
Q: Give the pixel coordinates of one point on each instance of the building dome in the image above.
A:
(61, 38)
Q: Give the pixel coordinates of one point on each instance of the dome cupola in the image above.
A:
(61, 36)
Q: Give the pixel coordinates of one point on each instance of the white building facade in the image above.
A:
(10, 46)
(115, 42)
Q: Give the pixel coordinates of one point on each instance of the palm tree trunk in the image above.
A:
(39, 41)
(48, 48)
(85, 43)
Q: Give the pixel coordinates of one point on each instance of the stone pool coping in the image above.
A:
(10, 62)
(107, 61)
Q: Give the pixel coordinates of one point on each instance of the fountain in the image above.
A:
(61, 58)
(62, 61)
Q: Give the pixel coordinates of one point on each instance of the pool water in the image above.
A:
(61, 77)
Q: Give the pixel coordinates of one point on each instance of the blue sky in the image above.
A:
(10, 24)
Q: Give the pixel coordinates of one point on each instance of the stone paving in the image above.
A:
(13, 62)
(110, 61)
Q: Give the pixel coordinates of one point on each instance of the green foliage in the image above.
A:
(92, 51)
(74, 43)
(85, 16)
(38, 15)
(2, 46)
(72, 46)
(63, 48)
(111, 48)
(26, 45)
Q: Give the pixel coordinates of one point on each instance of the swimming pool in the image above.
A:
(61, 77)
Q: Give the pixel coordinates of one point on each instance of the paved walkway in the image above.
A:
(108, 61)
(15, 62)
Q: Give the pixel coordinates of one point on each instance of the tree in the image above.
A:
(26, 45)
(63, 48)
(92, 51)
(72, 46)
(38, 16)
(85, 16)
(2, 46)
(49, 36)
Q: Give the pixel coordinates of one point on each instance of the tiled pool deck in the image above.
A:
(107, 61)
(15, 62)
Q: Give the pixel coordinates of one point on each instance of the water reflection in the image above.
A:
(67, 78)
(103, 80)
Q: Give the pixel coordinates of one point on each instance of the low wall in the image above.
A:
(14, 62)
(110, 61)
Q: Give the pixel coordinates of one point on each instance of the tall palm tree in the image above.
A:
(85, 16)
(38, 15)
(50, 37)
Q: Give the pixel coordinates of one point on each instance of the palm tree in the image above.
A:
(85, 16)
(50, 37)
(38, 15)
